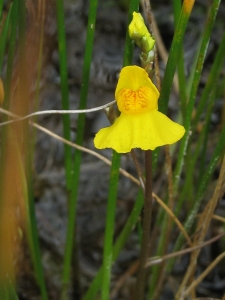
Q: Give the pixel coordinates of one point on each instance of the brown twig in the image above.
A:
(158, 260)
(204, 274)
(138, 168)
(171, 214)
(120, 283)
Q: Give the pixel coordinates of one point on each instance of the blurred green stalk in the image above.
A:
(188, 115)
(77, 155)
(173, 55)
(64, 89)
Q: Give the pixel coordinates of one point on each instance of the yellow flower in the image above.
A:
(140, 34)
(140, 124)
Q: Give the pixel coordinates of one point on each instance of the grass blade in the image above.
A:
(79, 141)
(64, 88)
(174, 53)
(195, 83)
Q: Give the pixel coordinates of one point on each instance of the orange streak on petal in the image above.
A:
(134, 102)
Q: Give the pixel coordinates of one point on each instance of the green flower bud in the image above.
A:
(140, 34)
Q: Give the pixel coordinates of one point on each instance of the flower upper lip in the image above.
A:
(133, 78)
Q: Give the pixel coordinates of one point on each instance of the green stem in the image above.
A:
(109, 227)
(180, 64)
(212, 78)
(64, 89)
(172, 59)
(196, 79)
(219, 150)
(119, 244)
(79, 140)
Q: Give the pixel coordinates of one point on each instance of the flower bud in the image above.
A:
(140, 34)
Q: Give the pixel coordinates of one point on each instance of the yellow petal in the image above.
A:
(146, 131)
(133, 102)
(140, 34)
(133, 78)
(137, 26)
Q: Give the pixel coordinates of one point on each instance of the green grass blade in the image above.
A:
(187, 190)
(35, 245)
(79, 141)
(64, 88)
(174, 53)
(119, 244)
(11, 51)
(4, 35)
(12, 293)
(109, 226)
(212, 78)
(219, 150)
(1, 10)
(180, 64)
(196, 79)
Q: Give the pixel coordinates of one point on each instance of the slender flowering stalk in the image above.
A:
(142, 37)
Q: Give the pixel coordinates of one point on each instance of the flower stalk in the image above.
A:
(142, 37)
(147, 216)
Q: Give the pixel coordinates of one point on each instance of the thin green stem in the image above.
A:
(196, 79)
(175, 51)
(219, 150)
(119, 244)
(11, 52)
(180, 65)
(109, 226)
(79, 140)
(172, 59)
(4, 35)
(212, 78)
(64, 89)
